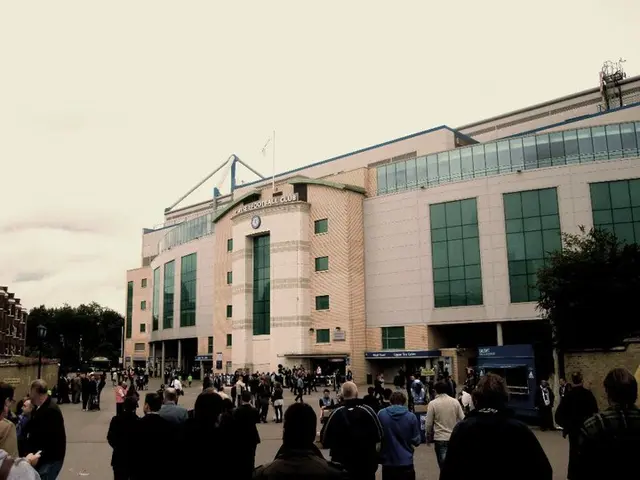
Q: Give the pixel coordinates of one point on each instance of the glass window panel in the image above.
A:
(634, 193)
(469, 212)
(455, 253)
(614, 141)
(532, 224)
(458, 293)
(412, 178)
(585, 144)
(438, 216)
(517, 154)
(466, 159)
(474, 291)
(620, 194)
(544, 150)
(456, 273)
(432, 169)
(548, 201)
(491, 158)
(321, 226)
(550, 221)
(454, 233)
(439, 252)
(401, 176)
(514, 226)
(382, 180)
(571, 148)
(599, 139)
(469, 231)
(391, 177)
(441, 294)
(504, 156)
(453, 213)
(478, 161)
(421, 165)
(622, 215)
(439, 235)
(512, 205)
(530, 153)
(624, 232)
(530, 203)
(471, 251)
(601, 217)
(556, 148)
(455, 170)
(600, 198)
(440, 274)
(443, 166)
(638, 134)
(628, 134)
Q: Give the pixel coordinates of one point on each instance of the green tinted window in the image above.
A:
(143, 283)
(393, 338)
(169, 288)
(616, 208)
(321, 226)
(261, 285)
(322, 302)
(143, 305)
(155, 312)
(323, 335)
(455, 245)
(129, 319)
(532, 226)
(143, 327)
(229, 278)
(210, 345)
(229, 339)
(229, 311)
(322, 263)
(188, 274)
(230, 245)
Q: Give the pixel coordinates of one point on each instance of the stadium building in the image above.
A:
(420, 252)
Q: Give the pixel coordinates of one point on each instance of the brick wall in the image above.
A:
(595, 365)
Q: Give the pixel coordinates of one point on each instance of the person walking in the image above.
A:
(443, 414)
(122, 439)
(401, 432)
(577, 405)
(491, 428)
(278, 402)
(544, 404)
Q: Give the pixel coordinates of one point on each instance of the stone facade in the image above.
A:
(13, 324)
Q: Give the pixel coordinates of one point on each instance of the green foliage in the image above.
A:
(99, 327)
(589, 290)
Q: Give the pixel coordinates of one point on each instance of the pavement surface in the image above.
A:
(89, 454)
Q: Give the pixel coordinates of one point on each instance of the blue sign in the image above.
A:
(511, 351)
(204, 358)
(403, 354)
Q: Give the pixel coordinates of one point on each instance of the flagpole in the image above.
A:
(273, 159)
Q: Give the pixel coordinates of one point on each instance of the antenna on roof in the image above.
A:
(611, 75)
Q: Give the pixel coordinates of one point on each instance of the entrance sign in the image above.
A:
(403, 354)
(268, 202)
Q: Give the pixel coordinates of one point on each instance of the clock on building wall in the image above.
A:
(255, 222)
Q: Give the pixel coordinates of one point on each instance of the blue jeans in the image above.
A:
(441, 451)
(50, 471)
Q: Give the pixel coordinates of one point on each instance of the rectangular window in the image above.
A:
(616, 208)
(169, 293)
(155, 304)
(455, 251)
(262, 285)
(321, 226)
(210, 345)
(143, 283)
(188, 281)
(143, 305)
(322, 302)
(143, 327)
(229, 339)
(229, 278)
(323, 335)
(139, 347)
(230, 245)
(532, 225)
(129, 319)
(322, 264)
(393, 338)
(229, 311)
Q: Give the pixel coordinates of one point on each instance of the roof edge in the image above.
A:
(326, 183)
(230, 206)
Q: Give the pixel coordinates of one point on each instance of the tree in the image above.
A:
(589, 290)
(99, 327)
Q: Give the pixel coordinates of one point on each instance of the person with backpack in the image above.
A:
(353, 434)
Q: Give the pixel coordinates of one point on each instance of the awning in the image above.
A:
(340, 356)
(500, 365)
(204, 358)
(400, 354)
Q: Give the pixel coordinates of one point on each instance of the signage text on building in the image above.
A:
(268, 202)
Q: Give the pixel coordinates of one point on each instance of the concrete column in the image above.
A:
(500, 339)
(179, 354)
(153, 358)
(162, 363)
(201, 370)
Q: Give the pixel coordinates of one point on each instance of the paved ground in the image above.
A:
(89, 455)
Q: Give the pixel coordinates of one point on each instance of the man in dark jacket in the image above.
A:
(122, 438)
(45, 432)
(299, 457)
(353, 434)
(577, 405)
(488, 429)
(245, 436)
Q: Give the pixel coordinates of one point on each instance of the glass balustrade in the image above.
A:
(584, 145)
(187, 231)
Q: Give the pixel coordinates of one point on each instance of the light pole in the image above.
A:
(80, 349)
(42, 333)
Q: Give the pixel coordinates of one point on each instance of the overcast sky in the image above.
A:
(110, 111)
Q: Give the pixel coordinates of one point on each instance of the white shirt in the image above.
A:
(467, 400)
(177, 384)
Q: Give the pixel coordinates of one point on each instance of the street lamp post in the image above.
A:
(42, 333)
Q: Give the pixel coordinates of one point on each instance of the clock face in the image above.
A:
(255, 222)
